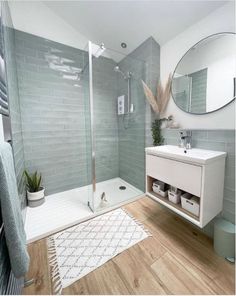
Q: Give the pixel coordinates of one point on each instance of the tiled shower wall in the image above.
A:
(55, 114)
(105, 119)
(149, 52)
(132, 126)
(52, 113)
(219, 140)
(144, 63)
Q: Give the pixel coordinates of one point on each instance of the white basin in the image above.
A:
(194, 155)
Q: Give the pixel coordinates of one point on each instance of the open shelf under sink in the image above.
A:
(177, 208)
(172, 205)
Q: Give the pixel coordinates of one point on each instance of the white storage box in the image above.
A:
(157, 190)
(157, 187)
(161, 185)
(174, 197)
(191, 204)
(186, 195)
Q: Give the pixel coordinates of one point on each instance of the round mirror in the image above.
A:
(204, 79)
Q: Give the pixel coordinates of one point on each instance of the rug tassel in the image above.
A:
(52, 258)
(140, 224)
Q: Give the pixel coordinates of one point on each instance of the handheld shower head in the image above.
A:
(117, 69)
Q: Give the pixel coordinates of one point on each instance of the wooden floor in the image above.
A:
(177, 259)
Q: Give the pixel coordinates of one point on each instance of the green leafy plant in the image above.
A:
(156, 132)
(33, 182)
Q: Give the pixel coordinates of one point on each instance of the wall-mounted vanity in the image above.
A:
(196, 171)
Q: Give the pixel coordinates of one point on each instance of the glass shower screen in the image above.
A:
(116, 121)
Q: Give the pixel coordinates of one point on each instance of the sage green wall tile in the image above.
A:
(56, 118)
(134, 129)
(55, 115)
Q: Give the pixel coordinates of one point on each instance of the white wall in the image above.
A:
(218, 55)
(220, 86)
(36, 18)
(221, 20)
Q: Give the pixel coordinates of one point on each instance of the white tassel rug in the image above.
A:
(76, 251)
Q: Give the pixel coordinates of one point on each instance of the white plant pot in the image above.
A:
(33, 196)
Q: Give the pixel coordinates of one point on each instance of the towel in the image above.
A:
(11, 213)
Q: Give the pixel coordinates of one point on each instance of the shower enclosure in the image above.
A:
(115, 123)
(80, 116)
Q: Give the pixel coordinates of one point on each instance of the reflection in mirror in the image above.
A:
(204, 79)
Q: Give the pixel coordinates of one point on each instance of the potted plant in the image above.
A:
(156, 132)
(158, 103)
(35, 192)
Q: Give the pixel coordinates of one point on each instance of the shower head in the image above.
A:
(117, 69)
(98, 50)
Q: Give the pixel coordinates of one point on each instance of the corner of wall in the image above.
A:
(53, 27)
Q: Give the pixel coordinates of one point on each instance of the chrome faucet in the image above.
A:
(186, 140)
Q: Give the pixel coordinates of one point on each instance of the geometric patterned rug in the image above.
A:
(78, 250)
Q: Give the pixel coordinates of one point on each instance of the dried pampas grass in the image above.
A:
(160, 101)
(150, 97)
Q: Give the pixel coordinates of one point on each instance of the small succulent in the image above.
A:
(33, 182)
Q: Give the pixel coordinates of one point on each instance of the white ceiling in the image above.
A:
(113, 22)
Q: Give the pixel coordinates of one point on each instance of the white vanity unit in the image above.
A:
(195, 171)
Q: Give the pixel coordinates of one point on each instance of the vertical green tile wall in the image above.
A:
(144, 62)
(52, 113)
(105, 119)
(55, 115)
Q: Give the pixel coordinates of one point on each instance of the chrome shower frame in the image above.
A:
(91, 205)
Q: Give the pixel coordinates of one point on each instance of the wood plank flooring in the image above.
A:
(177, 259)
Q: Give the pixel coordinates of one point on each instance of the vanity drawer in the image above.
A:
(182, 175)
